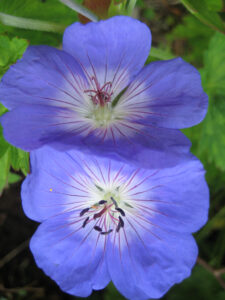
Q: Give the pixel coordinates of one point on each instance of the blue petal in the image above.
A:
(171, 91)
(70, 256)
(182, 198)
(55, 184)
(180, 202)
(45, 76)
(111, 46)
(148, 269)
(150, 147)
(51, 188)
(31, 126)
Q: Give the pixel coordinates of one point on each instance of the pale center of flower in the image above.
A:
(101, 110)
(102, 115)
(107, 209)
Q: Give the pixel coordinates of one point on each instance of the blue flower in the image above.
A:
(104, 220)
(96, 94)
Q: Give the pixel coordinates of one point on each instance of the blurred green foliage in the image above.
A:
(195, 37)
(193, 31)
(51, 11)
(207, 12)
(11, 50)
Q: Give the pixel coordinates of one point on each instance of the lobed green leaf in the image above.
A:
(205, 14)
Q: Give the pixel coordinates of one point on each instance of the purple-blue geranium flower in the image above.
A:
(104, 220)
(96, 94)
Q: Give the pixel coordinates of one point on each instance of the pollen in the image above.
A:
(94, 206)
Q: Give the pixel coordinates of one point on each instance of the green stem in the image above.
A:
(80, 9)
(130, 6)
(31, 24)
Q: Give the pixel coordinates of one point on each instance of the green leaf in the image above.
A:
(112, 293)
(50, 11)
(212, 141)
(214, 5)
(214, 70)
(201, 285)
(192, 38)
(208, 138)
(4, 167)
(3, 144)
(13, 178)
(121, 7)
(2, 108)
(10, 52)
(204, 14)
(213, 137)
(19, 160)
(161, 54)
(217, 222)
(31, 24)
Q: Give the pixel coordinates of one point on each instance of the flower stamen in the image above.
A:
(102, 215)
(120, 211)
(85, 222)
(102, 95)
(84, 211)
(114, 202)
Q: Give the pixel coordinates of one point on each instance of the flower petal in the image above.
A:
(148, 147)
(180, 201)
(45, 76)
(167, 94)
(147, 270)
(53, 187)
(72, 256)
(115, 49)
(31, 126)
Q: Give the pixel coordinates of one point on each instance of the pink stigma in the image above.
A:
(100, 95)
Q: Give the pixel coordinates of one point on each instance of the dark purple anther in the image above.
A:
(85, 222)
(102, 202)
(121, 221)
(97, 228)
(120, 224)
(114, 202)
(84, 211)
(106, 232)
(118, 227)
(120, 211)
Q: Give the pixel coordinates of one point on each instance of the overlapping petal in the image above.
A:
(32, 126)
